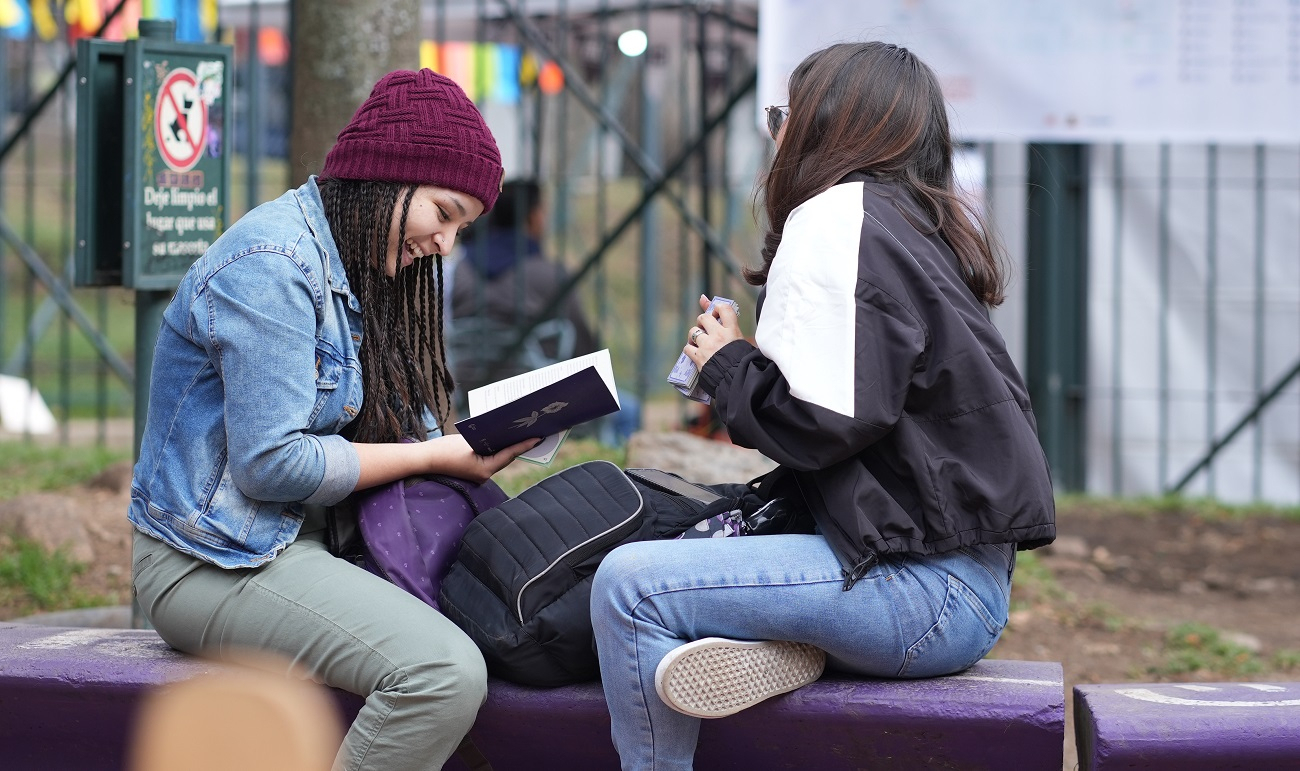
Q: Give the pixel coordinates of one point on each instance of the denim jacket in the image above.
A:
(255, 373)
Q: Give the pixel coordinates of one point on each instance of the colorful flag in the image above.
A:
(189, 27)
(43, 19)
(528, 69)
(208, 17)
(429, 55)
(505, 86)
(484, 70)
(458, 64)
(84, 17)
(127, 21)
(158, 9)
(15, 18)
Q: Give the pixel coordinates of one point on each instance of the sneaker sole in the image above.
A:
(716, 677)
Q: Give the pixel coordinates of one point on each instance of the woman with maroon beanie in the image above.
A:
(298, 353)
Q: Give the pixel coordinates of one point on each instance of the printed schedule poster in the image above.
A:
(1072, 70)
(180, 208)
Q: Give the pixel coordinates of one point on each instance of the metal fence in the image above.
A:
(648, 162)
(1188, 334)
(1195, 321)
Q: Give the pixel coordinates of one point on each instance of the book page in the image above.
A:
(545, 451)
(493, 395)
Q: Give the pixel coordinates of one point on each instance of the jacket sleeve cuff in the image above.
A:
(720, 365)
(342, 470)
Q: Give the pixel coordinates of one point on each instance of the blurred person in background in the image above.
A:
(502, 275)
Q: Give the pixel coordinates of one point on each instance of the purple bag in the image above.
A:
(412, 527)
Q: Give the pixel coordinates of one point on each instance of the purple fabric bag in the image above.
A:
(412, 527)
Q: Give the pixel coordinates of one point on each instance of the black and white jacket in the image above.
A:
(880, 381)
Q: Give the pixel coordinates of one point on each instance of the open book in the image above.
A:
(546, 402)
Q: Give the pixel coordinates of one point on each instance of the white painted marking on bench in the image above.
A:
(70, 639)
(1016, 680)
(110, 642)
(1144, 694)
(1200, 688)
(1266, 687)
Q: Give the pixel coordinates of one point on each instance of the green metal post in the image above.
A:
(1057, 274)
(149, 307)
(149, 304)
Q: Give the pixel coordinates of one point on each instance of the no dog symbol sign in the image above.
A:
(180, 120)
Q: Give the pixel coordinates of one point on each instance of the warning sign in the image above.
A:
(179, 162)
(181, 120)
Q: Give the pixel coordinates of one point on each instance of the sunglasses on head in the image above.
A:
(776, 115)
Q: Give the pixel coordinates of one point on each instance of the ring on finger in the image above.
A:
(694, 334)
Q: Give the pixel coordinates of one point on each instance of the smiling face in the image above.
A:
(436, 217)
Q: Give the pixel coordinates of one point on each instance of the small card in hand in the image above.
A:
(685, 376)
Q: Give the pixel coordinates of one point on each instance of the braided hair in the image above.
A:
(403, 368)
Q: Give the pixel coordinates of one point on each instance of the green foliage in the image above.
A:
(1099, 615)
(29, 467)
(41, 580)
(522, 474)
(1205, 508)
(1191, 648)
(1034, 583)
(1287, 660)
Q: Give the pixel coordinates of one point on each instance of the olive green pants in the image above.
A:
(422, 678)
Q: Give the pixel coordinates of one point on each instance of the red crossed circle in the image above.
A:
(180, 120)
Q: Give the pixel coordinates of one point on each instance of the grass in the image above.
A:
(520, 475)
(1287, 660)
(1035, 584)
(1099, 615)
(1205, 508)
(1197, 648)
(31, 468)
(32, 579)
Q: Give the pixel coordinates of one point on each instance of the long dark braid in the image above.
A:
(402, 373)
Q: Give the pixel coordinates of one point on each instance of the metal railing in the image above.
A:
(1190, 324)
(1196, 319)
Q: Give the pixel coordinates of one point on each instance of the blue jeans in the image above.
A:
(908, 617)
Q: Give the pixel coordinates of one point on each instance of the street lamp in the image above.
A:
(633, 43)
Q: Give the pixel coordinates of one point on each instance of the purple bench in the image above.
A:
(1188, 727)
(68, 698)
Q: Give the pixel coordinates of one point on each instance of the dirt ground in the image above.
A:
(1101, 601)
(1120, 583)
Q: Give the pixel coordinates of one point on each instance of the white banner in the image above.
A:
(1073, 70)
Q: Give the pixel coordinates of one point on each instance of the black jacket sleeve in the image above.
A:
(836, 351)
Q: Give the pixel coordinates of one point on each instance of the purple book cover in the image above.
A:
(567, 402)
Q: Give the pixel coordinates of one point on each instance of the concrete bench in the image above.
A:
(1188, 727)
(68, 698)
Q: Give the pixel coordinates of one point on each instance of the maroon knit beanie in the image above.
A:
(419, 128)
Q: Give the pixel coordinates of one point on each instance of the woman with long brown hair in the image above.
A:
(300, 354)
(885, 393)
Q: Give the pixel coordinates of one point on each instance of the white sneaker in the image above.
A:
(716, 677)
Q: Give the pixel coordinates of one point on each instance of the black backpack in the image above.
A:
(520, 586)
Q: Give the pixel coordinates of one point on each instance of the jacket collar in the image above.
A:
(313, 211)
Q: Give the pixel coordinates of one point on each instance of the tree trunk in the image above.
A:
(340, 49)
